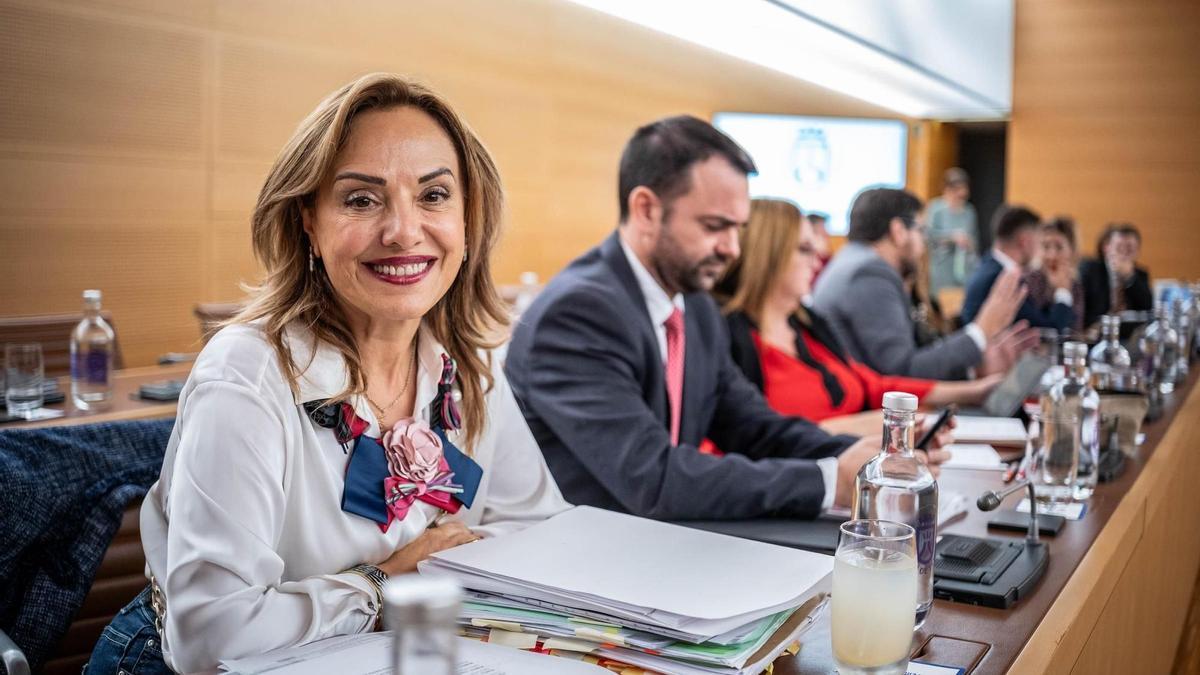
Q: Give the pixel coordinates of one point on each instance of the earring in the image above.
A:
(464, 255)
(311, 263)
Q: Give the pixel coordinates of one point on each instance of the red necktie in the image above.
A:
(674, 326)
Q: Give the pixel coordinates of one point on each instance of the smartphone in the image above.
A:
(943, 418)
(167, 390)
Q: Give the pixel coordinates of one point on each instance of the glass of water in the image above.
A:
(874, 591)
(23, 375)
(1056, 441)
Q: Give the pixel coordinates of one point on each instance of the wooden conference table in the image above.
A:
(1114, 596)
(1117, 589)
(124, 406)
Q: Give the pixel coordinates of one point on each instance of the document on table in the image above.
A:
(1006, 431)
(371, 654)
(951, 506)
(973, 456)
(573, 559)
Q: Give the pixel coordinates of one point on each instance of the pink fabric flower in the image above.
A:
(413, 451)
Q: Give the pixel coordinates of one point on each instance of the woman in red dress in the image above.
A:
(789, 351)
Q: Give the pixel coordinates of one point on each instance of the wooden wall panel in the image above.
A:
(1104, 124)
(135, 134)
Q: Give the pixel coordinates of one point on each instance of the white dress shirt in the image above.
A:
(659, 305)
(244, 530)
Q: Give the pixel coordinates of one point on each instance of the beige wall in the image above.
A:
(134, 134)
(1106, 120)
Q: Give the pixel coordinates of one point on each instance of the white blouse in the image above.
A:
(244, 530)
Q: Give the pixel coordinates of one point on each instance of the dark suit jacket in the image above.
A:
(1097, 296)
(1057, 315)
(586, 368)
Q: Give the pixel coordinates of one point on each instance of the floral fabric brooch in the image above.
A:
(413, 461)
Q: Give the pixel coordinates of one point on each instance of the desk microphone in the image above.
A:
(989, 500)
(991, 572)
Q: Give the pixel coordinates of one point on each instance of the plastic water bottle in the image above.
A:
(92, 344)
(897, 486)
(527, 293)
(1074, 396)
(1157, 348)
(1111, 364)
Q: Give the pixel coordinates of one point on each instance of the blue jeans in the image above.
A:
(130, 644)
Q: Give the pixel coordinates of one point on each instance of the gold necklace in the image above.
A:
(403, 388)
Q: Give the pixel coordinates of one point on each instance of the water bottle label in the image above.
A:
(926, 538)
(97, 366)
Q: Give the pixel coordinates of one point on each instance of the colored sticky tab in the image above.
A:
(467, 472)
(363, 492)
(569, 645)
(494, 623)
(603, 636)
(510, 639)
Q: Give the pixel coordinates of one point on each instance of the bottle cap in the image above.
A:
(899, 400)
(91, 294)
(1074, 350)
(413, 599)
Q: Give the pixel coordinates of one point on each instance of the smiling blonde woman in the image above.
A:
(351, 421)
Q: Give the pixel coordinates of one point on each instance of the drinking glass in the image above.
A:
(23, 375)
(1055, 438)
(874, 592)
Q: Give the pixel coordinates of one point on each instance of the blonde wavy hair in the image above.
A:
(290, 294)
(767, 244)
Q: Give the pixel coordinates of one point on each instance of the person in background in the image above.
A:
(861, 294)
(1016, 230)
(953, 233)
(1056, 258)
(358, 368)
(821, 242)
(787, 350)
(622, 364)
(1112, 281)
(929, 321)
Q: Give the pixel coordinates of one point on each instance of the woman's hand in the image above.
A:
(1061, 277)
(432, 540)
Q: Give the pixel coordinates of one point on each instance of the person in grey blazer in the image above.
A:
(591, 360)
(861, 293)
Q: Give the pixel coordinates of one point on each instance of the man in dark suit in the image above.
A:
(622, 364)
(861, 294)
(1112, 282)
(1015, 232)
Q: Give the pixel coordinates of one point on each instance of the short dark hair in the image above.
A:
(1115, 229)
(1011, 219)
(660, 156)
(816, 216)
(1062, 225)
(873, 210)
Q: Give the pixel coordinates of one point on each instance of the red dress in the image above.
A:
(793, 388)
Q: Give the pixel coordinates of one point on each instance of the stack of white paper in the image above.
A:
(978, 456)
(660, 596)
(1004, 431)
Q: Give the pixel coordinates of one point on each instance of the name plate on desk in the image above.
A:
(921, 668)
